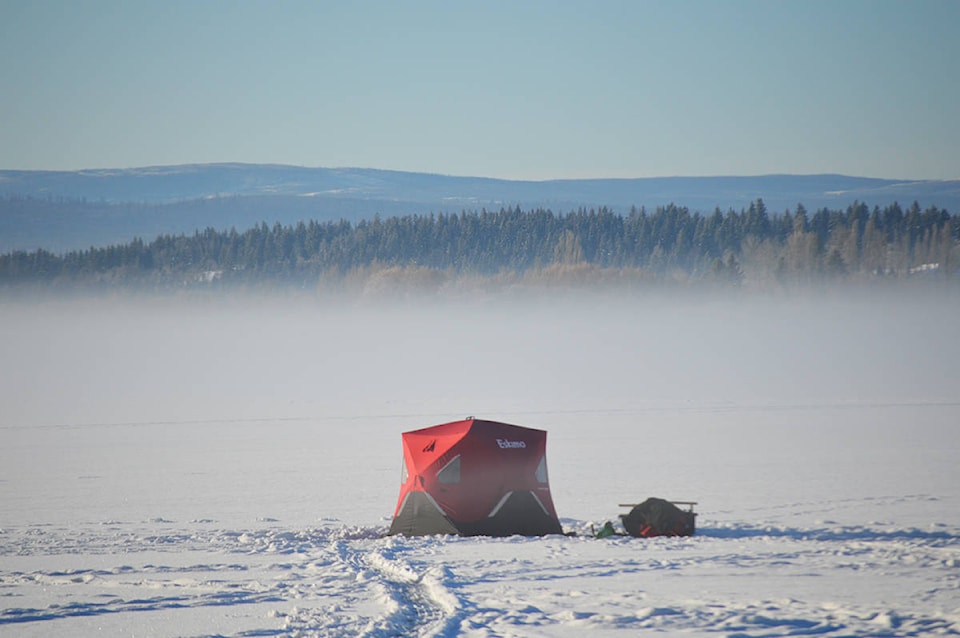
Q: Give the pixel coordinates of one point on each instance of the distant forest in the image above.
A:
(750, 247)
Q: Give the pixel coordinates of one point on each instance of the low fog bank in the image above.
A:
(140, 359)
(266, 406)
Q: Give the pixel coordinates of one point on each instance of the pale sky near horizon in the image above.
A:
(533, 89)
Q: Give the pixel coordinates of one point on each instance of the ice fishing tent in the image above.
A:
(475, 478)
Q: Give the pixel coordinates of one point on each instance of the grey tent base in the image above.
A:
(521, 513)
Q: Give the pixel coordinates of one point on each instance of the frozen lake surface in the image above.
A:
(196, 467)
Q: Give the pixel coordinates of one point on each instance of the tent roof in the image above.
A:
(462, 427)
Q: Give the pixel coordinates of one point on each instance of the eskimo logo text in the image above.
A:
(504, 444)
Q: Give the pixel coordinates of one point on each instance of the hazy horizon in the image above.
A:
(437, 173)
(822, 347)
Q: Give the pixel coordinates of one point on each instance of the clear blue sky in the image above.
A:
(520, 89)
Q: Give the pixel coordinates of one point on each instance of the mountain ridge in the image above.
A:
(180, 182)
(66, 210)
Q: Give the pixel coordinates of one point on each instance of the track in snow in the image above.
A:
(734, 578)
(321, 582)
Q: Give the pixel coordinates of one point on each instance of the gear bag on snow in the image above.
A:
(658, 517)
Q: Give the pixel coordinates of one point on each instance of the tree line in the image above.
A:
(750, 246)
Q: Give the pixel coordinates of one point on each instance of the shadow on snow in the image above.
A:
(838, 534)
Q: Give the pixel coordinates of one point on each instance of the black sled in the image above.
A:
(658, 517)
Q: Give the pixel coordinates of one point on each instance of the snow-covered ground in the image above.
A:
(228, 468)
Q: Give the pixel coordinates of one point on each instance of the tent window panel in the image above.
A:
(450, 473)
(404, 475)
(542, 470)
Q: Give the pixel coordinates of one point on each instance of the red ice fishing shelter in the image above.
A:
(475, 478)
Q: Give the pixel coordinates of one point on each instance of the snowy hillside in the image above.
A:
(70, 210)
(200, 468)
(160, 184)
